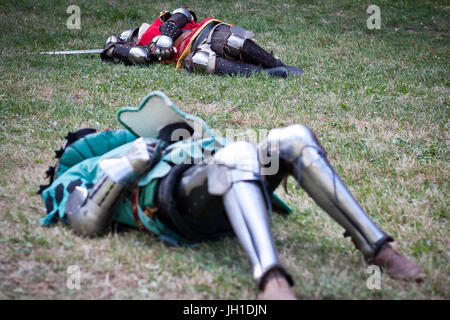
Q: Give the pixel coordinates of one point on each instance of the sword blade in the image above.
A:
(73, 51)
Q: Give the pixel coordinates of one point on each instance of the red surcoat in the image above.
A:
(183, 48)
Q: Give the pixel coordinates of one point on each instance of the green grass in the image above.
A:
(378, 100)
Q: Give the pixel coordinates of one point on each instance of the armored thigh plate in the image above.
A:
(204, 59)
(200, 60)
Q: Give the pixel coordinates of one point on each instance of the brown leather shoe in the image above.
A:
(397, 265)
(275, 287)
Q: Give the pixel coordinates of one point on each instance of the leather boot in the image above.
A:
(397, 265)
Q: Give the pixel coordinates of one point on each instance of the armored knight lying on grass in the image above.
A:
(209, 46)
(169, 175)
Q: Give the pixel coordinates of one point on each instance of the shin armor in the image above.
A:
(234, 43)
(206, 60)
(234, 173)
(226, 193)
(299, 147)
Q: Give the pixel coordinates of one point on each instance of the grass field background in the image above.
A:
(377, 99)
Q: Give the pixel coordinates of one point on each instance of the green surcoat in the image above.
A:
(79, 164)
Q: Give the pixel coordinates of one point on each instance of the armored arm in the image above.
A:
(162, 45)
(88, 213)
(118, 50)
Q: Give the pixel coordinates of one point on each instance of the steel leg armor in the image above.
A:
(89, 213)
(229, 50)
(234, 43)
(299, 147)
(203, 59)
(233, 174)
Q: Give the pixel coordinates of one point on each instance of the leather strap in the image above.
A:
(182, 37)
(134, 209)
(180, 40)
(149, 212)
